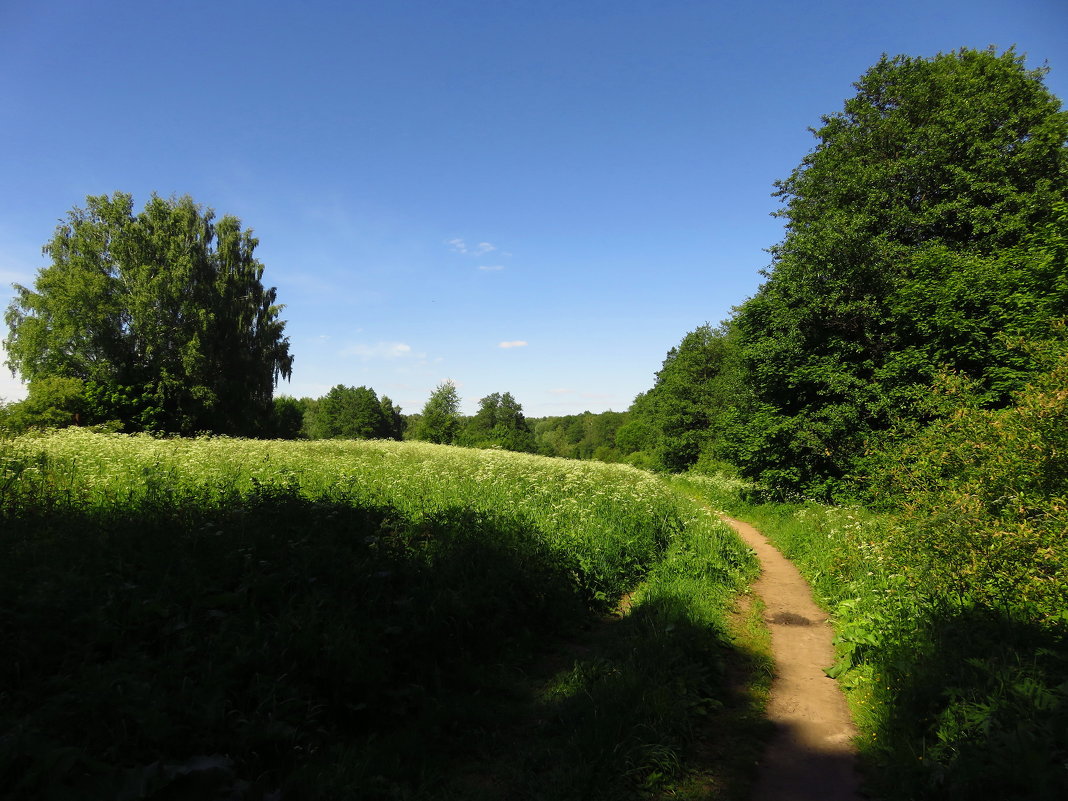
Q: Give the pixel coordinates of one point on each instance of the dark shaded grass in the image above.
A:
(267, 646)
(973, 704)
(256, 646)
(658, 701)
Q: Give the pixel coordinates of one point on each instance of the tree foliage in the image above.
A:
(440, 419)
(498, 423)
(52, 402)
(689, 407)
(918, 234)
(287, 419)
(351, 413)
(580, 436)
(348, 413)
(989, 488)
(162, 314)
(394, 423)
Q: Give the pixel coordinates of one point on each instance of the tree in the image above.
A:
(162, 314)
(580, 436)
(395, 423)
(440, 419)
(499, 422)
(687, 408)
(52, 402)
(287, 420)
(913, 240)
(349, 413)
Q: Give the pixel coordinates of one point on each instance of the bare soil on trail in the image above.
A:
(811, 753)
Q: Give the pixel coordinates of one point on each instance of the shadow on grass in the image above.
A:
(976, 707)
(644, 705)
(280, 648)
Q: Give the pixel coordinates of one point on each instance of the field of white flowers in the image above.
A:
(613, 519)
(313, 619)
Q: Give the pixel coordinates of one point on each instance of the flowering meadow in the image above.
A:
(263, 619)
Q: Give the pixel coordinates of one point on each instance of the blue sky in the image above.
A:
(531, 197)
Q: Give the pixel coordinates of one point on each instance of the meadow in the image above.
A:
(261, 619)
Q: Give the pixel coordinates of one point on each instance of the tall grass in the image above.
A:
(229, 618)
(957, 695)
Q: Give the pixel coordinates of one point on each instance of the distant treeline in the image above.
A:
(358, 413)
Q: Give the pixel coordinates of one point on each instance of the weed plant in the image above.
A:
(224, 618)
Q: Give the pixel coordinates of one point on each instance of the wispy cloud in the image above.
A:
(562, 391)
(515, 343)
(379, 350)
(458, 245)
(491, 267)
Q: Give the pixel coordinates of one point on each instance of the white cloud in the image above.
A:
(458, 245)
(562, 391)
(491, 267)
(380, 350)
(515, 343)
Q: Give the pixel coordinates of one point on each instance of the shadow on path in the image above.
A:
(811, 754)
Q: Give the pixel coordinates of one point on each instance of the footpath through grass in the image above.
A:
(953, 650)
(234, 619)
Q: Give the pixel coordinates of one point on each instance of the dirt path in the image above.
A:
(810, 756)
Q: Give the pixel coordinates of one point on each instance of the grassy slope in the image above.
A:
(195, 618)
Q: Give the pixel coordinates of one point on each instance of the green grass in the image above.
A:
(227, 618)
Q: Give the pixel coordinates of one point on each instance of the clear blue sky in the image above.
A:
(432, 180)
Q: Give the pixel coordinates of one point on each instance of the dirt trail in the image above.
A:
(810, 755)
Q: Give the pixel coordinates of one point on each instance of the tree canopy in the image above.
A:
(917, 241)
(690, 402)
(440, 419)
(161, 314)
(353, 413)
(499, 422)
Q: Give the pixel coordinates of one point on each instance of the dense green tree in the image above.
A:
(499, 422)
(691, 402)
(349, 413)
(52, 402)
(917, 236)
(440, 419)
(287, 420)
(395, 424)
(639, 433)
(310, 423)
(162, 314)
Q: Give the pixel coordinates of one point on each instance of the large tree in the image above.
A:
(353, 413)
(440, 419)
(162, 314)
(914, 243)
(395, 423)
(691, 403)
(499, 422)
